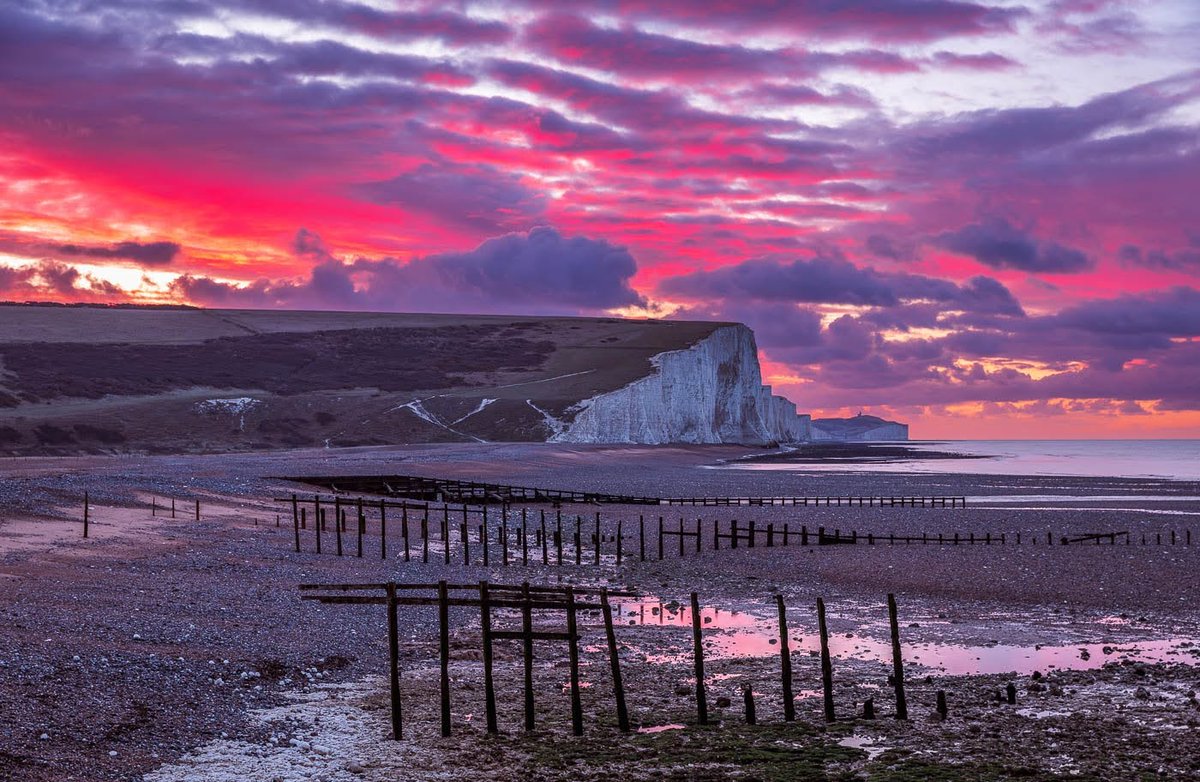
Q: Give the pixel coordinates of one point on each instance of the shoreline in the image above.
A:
(180, 614)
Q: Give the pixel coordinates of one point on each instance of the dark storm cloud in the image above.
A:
(998, 244)
(541, 271)
(145, 253)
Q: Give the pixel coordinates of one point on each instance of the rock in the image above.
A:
(355, 768)
(44, 737)
(723, 702)
(683, 689)
(1141, 693)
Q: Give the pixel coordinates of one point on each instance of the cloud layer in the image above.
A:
(941, 205)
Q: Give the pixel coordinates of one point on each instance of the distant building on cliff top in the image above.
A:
(860, 427)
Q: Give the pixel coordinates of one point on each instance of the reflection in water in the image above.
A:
(732, 634)
(659, 728)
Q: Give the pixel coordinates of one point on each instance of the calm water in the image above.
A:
(1169, 459)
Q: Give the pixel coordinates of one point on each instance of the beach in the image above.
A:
(180, 649)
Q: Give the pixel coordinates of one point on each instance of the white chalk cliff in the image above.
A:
(710, 392)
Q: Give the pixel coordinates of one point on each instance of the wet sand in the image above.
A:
(183, 647)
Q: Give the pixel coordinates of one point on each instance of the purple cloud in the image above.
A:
(145, 253)
(996, 243)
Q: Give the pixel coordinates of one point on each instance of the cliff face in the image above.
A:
(859, 428)
(710, 392)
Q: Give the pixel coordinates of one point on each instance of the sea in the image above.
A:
(1166, 459)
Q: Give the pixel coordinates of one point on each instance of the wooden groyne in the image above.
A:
(567, 602)
(483, 535)
(475, 492)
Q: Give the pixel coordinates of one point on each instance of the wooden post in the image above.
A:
(446, 533)
(716, 535)
(362, 527)
(154, 507)
(942, 711)
(733, 534)
(382, 530)
(785, 659)
(573, 652)
(318, 523)
(897, 661)
(698, 656)
(425, 537)
(642, 538)
(527, 631)
(748, 698)
(483, 535)
(698, 523)
(804, 534)
(597, 556)
(558, 535)
(489, 686)
(1011, 693)
(504, 537)
(681, 537)
(615, 662)
(524, 538)
(444, 650)
(404, 530)
(660, 538)
(296, 523)
(578, 539)
(826, 663)
(197, 510)
(394, 654)
(545, 543)
(339, 515)
(620, 542)
(869, 709)
(466, 544)
(86, 513)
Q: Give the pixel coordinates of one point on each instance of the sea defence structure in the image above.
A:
(857, 429)
(78, 379)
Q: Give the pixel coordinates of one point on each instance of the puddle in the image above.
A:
(660, 728)
(866, 744)
(732, 634)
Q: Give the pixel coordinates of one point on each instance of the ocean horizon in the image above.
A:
(1168, 459)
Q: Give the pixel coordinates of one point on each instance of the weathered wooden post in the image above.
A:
(573, 654)
(338, 519)
(698, 657)
(826, 663)
(642, 537)
(197, 510)
(804, 534)
(404, 531)
(504, 537)
(597, 555)
(942, 711)
(1010, 693)
(716, 535)
(466, 543)
(524, 538)
(660, 538)
(444, 650)
(86, 513)
(733, 533)
(615, 662)
(362, 527)
(620, 541)
(382, 530)
(558, 536)
(897, 661)
(394, 654)
(489, 686)
(527, 633)
(748, 698)
(785, 659)
(545, 542)
(869, 709)
(296, 516)
(578, 539)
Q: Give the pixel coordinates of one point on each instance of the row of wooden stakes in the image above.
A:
(526, 598)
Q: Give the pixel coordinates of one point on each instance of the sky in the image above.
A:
(981, 217)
